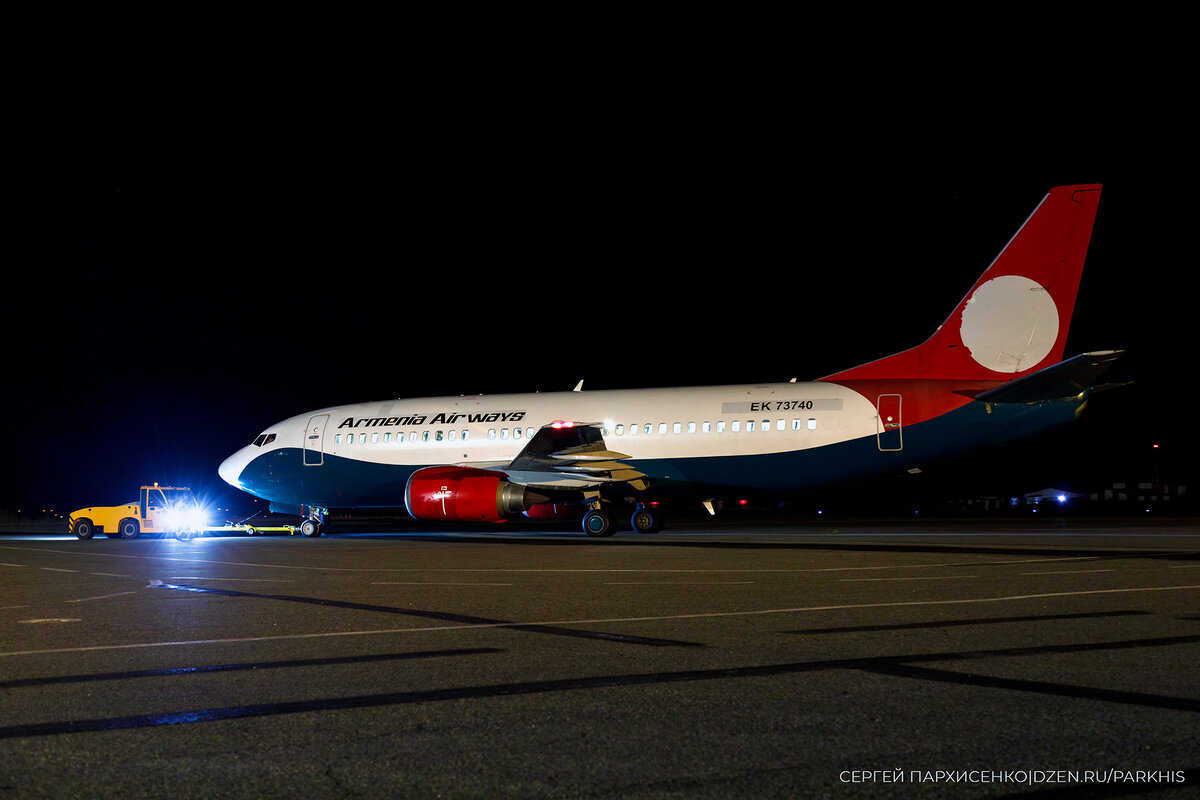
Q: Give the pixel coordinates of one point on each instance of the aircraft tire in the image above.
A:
(598, 523)
(84, 528)
(310, 528)
(128, 529)
(646, 520)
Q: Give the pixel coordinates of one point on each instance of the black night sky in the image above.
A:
(222, 217)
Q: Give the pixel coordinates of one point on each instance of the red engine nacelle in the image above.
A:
(556, 511)
(465, 494)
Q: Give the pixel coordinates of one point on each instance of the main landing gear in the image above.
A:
(598, 521)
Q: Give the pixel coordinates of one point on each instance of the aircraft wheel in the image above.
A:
(84, 528)
(647, 520)
(598, 523)
(310, 527)
(129, 528)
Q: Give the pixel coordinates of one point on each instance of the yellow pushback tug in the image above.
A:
(171, 510)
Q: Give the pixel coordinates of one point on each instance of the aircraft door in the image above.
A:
(889, 426)
(314, 441)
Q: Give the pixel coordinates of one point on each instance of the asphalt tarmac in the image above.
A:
(1024, 658)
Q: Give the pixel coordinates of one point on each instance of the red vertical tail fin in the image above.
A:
(1015, 318)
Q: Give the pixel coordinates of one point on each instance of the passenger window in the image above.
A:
(691, 427)
(620, 430)
(737, 425)
(633, 430)
(362, 438)
(437, 437)
(720, 426)
(503, 433)
(337, 439)
(424, 436)
(466, 434)
(749, 424)
(812, 424)
(779, 425)
(491, 434)
(516, 433)
(662, 428)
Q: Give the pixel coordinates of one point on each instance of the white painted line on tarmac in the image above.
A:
(432, 583)
(1069, 572)
(98, 597)
(603, 620)
(211, 578)
(678, 583)
(919, 578)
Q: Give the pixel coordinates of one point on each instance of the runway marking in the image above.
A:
(210, 578)
(51, 619)
(465, 620)
(899, 665)
(706, 615)
(110, 575)
(1133, 554)
(98, 597)
(956, 623)
(56, 569)
(678, 583)
(918, 578)
(1069, 572)
(432, 583)
(3, 564)
(258, 665)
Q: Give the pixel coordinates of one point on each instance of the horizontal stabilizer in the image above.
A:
(1065, 379)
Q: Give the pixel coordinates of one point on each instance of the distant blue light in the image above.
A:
(1062, 498)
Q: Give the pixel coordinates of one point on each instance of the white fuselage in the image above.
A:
(645, 424)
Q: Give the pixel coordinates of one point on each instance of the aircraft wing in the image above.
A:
(571, 455)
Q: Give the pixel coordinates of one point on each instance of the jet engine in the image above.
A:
(555, 511)
(466, 494)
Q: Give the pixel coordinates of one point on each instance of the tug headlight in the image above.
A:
(184, 517)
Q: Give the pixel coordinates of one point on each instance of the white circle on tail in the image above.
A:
(1010, 324)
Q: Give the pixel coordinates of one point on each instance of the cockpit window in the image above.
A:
(264, 439)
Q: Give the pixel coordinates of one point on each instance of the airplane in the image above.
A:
(991, 373)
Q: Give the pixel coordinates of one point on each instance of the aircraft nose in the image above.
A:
(231, 468)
